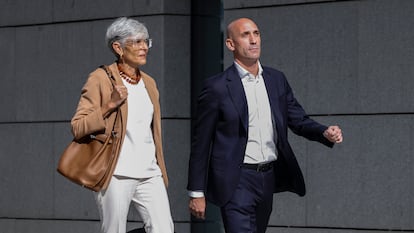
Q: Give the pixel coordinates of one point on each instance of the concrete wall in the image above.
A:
(349, 63)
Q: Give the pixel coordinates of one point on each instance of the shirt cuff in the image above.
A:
(196, 194)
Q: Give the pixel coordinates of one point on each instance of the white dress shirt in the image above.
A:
(261, 146)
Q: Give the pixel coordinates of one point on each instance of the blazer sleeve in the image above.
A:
(203, 134)
(88, 118)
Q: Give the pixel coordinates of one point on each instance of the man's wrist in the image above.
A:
(195, 194)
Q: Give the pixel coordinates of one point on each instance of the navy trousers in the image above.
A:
(249, 209)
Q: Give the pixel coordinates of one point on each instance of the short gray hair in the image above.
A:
(123, 28)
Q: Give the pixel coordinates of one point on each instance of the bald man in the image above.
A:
(240, 154)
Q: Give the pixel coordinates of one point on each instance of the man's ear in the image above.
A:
(230, 44)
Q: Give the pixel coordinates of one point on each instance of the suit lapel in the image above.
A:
(271, 85)
(273, 94)
(237, 94)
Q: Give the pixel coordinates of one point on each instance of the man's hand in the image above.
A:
(197, 206)
(333, 134)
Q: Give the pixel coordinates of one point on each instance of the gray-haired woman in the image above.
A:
(139, 175)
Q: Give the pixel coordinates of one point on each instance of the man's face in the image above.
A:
(244, 40)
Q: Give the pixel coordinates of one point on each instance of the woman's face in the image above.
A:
(135, 51)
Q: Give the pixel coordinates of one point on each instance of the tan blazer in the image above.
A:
(88, 118)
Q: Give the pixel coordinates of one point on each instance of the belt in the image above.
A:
(259, 167)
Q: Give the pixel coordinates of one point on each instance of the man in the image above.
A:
(240, 153)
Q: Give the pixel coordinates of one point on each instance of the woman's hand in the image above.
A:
(118, 96)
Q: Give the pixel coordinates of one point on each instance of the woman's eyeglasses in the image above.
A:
(138, 42)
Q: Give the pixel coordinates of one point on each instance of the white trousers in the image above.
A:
(149, 197)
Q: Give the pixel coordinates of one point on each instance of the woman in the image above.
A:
(139, 176)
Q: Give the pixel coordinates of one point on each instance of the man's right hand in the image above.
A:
(197, 206)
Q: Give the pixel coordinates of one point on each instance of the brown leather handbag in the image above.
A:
(88, 161)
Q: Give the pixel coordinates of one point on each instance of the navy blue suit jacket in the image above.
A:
(221, 129)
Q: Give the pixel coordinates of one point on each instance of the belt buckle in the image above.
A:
(264, 167)
(260, 167)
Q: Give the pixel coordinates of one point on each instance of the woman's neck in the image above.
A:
(128, 69)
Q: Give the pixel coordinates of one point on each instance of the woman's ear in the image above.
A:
(116, 46)
(230, 44)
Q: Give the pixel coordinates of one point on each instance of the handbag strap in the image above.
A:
(112, 79)
(109, 73)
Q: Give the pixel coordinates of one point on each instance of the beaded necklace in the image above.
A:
(131, 79)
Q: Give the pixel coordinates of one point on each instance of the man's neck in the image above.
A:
(251, 66)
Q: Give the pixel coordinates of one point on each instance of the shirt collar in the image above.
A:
(243, 72)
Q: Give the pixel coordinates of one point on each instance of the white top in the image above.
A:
(137, 157)
(260, 146)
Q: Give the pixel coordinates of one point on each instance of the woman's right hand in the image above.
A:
(118, 96)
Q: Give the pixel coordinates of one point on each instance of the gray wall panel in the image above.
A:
(8, 225)
(176, 7)
(9, 88)
(169, 63)
(31, 175)
(67, 226)
(321, 230)
(176, 152)
(176, 90)
(25, 170)
(23, 12)
(367, 181)
(47, 226)
(386, 54)
(72, 201)
(229, 4)
(18, 12)
(53, 76)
